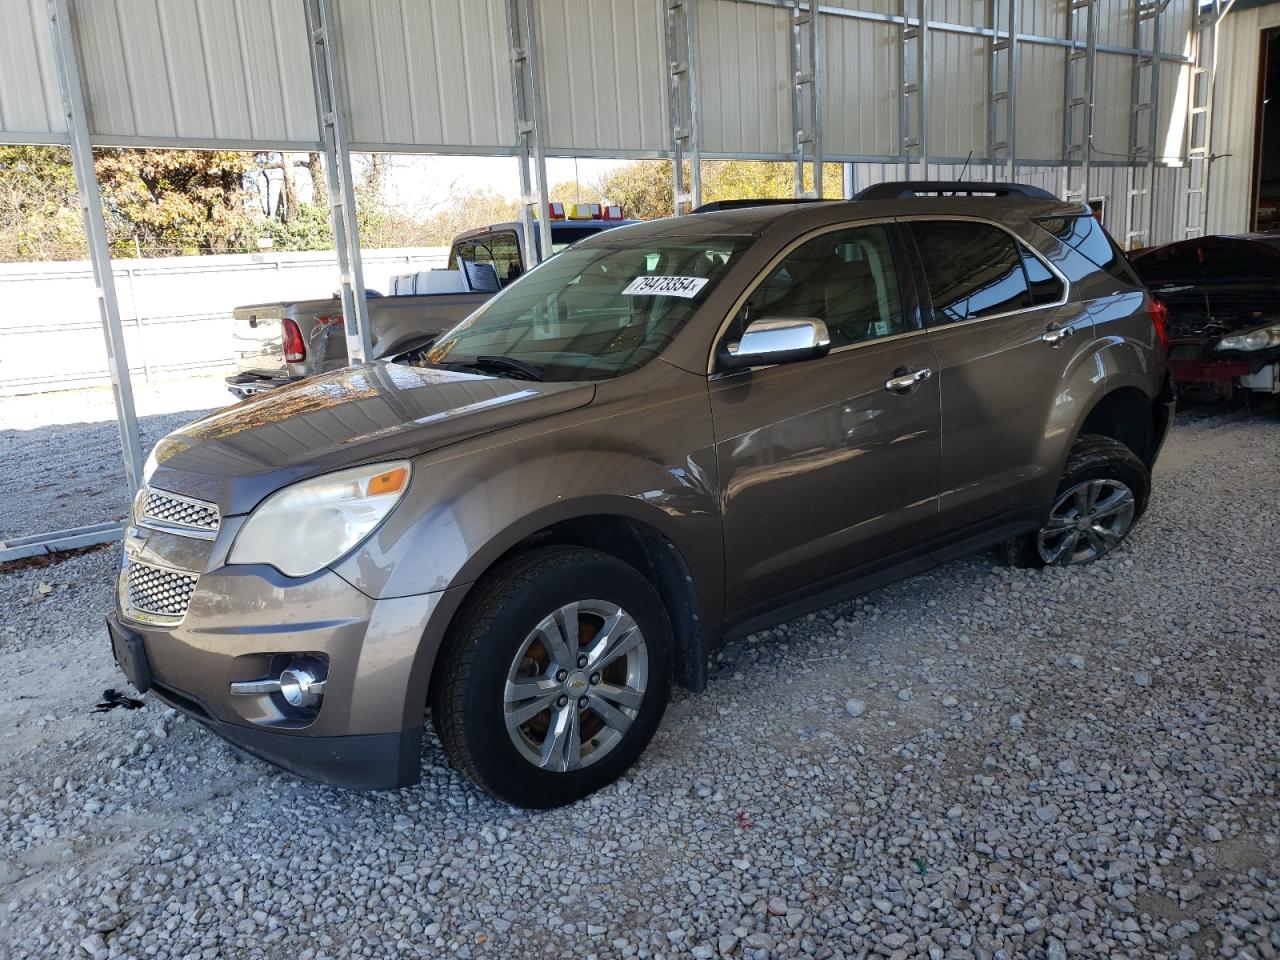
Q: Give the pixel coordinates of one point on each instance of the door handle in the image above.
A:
(901, 382)
(1055, 334)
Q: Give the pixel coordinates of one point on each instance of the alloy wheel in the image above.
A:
(576, 685)
(1086, 521)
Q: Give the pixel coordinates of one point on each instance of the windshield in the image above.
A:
(596, 312)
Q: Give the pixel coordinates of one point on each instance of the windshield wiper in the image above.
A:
(500, 364)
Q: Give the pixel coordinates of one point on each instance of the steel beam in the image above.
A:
(1078, 84)
(680, 21)
(67, 60)
(806, 94)
(331, 115)
(1002, 89)
(913, 83)
(526, 101)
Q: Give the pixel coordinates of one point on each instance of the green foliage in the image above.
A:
(308, 229)
(39, 206)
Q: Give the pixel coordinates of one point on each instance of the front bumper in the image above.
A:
(243, 621)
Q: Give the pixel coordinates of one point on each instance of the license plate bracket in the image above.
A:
(130, 654)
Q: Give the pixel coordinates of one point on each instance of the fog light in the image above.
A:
(302, 683)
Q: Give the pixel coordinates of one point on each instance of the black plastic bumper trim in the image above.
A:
(375, 761)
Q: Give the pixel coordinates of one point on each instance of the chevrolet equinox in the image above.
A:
(670, 434)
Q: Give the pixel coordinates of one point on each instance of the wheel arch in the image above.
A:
(620, 528)
(1126, 414)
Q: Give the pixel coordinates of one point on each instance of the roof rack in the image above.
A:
(715, 205)
(901, 189)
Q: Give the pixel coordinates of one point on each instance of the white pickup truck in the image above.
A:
(278, 343)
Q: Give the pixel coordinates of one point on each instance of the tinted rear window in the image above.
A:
(974, 270)
(1085, 235)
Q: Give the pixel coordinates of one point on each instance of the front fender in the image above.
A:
(470, 503)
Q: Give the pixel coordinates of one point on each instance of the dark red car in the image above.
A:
(1223, 301)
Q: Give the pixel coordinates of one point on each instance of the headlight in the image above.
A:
(310, 524)
(1260, 339)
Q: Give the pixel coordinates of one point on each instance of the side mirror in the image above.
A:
(778, 340)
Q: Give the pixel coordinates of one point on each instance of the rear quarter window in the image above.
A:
(1084, 234)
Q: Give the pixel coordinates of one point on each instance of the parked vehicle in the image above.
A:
(1223, 298)
(278, 343)
(667, 436)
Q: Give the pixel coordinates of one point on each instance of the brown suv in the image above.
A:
(667, 435)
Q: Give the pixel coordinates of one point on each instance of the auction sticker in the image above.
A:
(665, 287)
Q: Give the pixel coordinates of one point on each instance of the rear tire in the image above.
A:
(1102, 494)
(555, 676)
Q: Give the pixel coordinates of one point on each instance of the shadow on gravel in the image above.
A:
(64, 475)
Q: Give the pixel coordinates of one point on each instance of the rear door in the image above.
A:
(824, 469)
(1004, 341)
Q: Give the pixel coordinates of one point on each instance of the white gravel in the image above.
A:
(980, 762)
(60, 463)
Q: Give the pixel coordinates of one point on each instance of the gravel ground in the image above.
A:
(76, 430)
(980, 762)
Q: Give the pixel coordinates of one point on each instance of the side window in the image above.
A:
(1085, 234)
(974, 270)
(1045, 287)
(845, 278)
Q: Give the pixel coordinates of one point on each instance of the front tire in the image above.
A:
(1103, 491)
(555, 676)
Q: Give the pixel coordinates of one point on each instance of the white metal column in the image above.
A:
(531, 158)
(331, 114)
(95, 228)
(913, 82)
(1077, 98)
(1204, 46)
(682, 97)
(1143, 124)
(806, 103)
(1002, 15)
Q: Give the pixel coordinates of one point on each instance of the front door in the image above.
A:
(824, 466)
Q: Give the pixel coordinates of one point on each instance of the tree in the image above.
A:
(176, 201)
(644, 188)
(39, 206)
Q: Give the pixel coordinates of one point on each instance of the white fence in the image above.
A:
(176, 310)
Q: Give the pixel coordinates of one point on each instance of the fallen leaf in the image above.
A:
(44, 589)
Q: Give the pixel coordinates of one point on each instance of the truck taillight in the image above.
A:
(295, 351)
(1160, 321)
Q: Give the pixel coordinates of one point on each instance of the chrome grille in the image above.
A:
(180, 511)
(159, 591)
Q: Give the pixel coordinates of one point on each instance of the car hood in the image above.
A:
(237, 456)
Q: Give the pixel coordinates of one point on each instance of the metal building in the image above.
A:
(1110, 101)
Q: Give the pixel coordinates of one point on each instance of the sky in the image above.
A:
(419, 182)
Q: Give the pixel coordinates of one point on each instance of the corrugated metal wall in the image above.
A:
(435, 77)
(30, 105)
(744, 77)
(426, 75)
(200, 71)
(604, 76)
